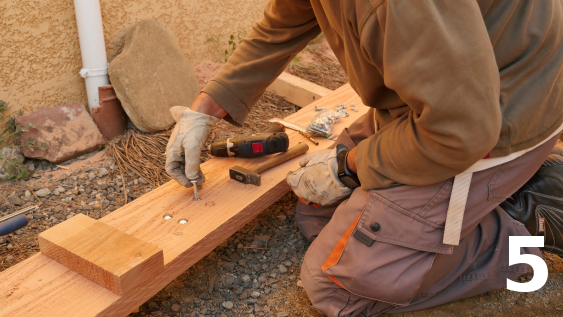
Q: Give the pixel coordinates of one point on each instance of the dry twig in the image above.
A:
(31, 190)
(124, 189)
(141, 154)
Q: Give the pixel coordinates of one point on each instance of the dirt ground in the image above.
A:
(256, 271)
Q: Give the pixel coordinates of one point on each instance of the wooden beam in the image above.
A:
(41, 286)
(298, 91)
(105, 255)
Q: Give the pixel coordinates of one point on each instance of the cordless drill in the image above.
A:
(269, 141)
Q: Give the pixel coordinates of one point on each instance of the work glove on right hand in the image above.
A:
(186, 142)
(317, 180)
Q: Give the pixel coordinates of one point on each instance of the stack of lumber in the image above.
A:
(42, 286)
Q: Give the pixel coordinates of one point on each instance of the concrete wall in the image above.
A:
(40, 54)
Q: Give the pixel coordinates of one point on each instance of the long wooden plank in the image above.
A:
(40, 286)
(105, 255)
(298, 91)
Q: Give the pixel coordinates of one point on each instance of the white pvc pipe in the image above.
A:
(92, 48)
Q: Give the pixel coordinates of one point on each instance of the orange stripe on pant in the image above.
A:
(337, 251)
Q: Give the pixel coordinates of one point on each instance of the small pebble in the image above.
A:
(153, 306)
(103, 172)
(43, 192)
(175, 307)
(226, 295)
(229, 280)
(282, 268)
(228, 305)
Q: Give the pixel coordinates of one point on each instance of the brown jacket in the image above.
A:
(451, 80)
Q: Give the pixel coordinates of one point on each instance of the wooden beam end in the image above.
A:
(105, 255)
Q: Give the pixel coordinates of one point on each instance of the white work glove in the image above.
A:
(317, 181)
(186, 142)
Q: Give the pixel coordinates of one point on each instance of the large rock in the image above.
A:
(152, 75)
(67, 131)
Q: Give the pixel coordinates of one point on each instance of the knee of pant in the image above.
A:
(311, 220)
(328, 298)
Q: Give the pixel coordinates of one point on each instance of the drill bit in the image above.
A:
(195, 189)
(309, 137)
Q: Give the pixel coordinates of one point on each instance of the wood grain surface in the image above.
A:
(41, 286)
(105, 255)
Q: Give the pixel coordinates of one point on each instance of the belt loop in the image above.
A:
(456, 208)
(375, 124)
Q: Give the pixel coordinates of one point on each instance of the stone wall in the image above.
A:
(40, 53)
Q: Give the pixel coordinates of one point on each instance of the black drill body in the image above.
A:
(253, 145)
(269, 141)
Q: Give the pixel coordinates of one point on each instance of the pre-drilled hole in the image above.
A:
(183, 221)
(167, 217)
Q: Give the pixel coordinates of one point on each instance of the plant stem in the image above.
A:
(8, 136)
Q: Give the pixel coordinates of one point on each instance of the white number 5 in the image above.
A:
(537, 263)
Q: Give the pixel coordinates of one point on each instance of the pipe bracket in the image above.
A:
(93, 72)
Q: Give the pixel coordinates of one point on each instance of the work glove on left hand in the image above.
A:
(186, 142)
(317, 181)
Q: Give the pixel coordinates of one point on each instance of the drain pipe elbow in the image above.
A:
(92, 48)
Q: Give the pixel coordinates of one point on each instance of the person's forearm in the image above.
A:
(204, 103)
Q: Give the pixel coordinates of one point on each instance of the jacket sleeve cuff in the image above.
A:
(230, 102)
(366, 161)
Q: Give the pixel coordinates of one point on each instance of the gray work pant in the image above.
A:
(381, 250)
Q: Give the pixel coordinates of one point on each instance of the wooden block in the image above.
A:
(105, 255)
(40, 286)
(297, 91)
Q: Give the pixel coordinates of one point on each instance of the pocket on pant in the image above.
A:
(387, 254)
(498, 185)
